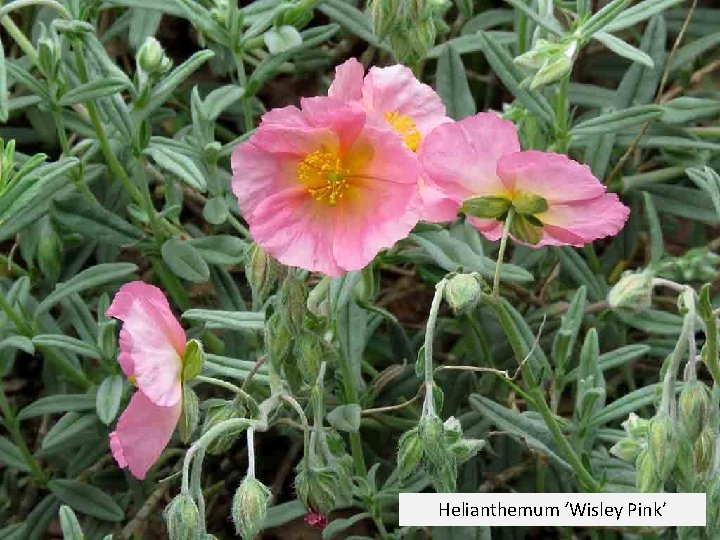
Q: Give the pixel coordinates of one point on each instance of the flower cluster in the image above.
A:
(328, 185)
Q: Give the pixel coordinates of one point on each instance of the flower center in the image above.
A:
(406, 127)
(324, 175)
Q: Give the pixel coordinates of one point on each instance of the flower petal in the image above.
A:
(460, 159)
(395, 89)
(584, 221)
(555, 177)
(347, 85)
(151, 341)
(142, 433)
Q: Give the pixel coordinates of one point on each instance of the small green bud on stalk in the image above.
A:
(309, 348)
(663, 445)
(261, 271)
(278, 340)
(635, 426)
(410, 453)
(626, 449)
(249, 507)
(293, 298)
(182, 518)
(633, 291)
(317, 488)
(218, 414)
(684, 473)
(693, 408)
(151, 58)
(190, 415)
(463, 292)
(646, 479)
(704, 451)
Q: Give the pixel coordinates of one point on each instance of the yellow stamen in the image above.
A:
(323, 173)
(406, 127)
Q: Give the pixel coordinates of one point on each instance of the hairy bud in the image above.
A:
(693, 408)
(646, 479)
(626, 449)
(633, 291)
(317, 487)
(463, 292)
(261, 271)
(704, 451)
(190, 414)
(249, 507)
(663, 444)
(182, 518)
(151, 58)
(309, 354)
(292, 300)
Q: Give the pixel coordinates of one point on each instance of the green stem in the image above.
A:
(537, 394)
(115, 166)
(351, 397)
(218, 382)
(244, 101)
(429, 403)
(14, 429)
(20, 38)
(501, 252)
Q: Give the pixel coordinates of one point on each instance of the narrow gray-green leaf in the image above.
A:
(452, 84)
(108, 397)
(87, 499)
(93, 90)
(184, 260)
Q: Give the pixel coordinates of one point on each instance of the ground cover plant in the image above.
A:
(264, 266)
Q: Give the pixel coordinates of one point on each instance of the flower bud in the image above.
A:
(260, 270)
(684, 472)
(309, 354)
(432, 434)
(249, 507)
(463, 292)
(182, 518)
(190, 415)
(277, 340)
(633, 290)
(551, 72)
(704, 451)
(293, 296)
(693, 408)
(626, 449)
(410, 453)
(317, 487)
(151, 57)
(220, 413)
(192, 360)
(646, 479)
(663, 444)
(49, 251)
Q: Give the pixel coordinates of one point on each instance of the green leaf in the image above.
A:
(345, 417)
(95, 276)
(452, 84)
(216, 210)
(181, 166)
(78, 214)
(628, 403)
(220, 99)
(613, 359)
(638, 13)
(18, 342)
(229, 320)
(578, 269)
(67, 343)
(282, 38)
(351, 19)
(337, 526)
(4, 111)
(108, 398)
(709, 181)
(184, 260)
(219, 249)
(87, 499)
(686, 109)
(69, 524)
(601, 19)
(535, 433)
(624, 49)
(687, 54)
(60, 403)
(70, 431)
(617, 120)
(11, 456)
(93, 90)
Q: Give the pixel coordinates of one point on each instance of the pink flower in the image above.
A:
(556, 201)
(316, 519)
(152, 344)
(393, 96)
(323, 188)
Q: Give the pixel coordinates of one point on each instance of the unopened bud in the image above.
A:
(626, 449)
(317, 487)
(277, 340)
(151, 57)
(190, 415)
(309, 354)
(463, 292)
(465, 449)
(260, 271)
(635, 426)
(663, 444)
(410, 453)
(552, 71)
(217, 414)
(704, 451)
(432, 434)
(182, 518)
(452, 430)
(293, 297)
(645, 478)
(633, 291)
(249, 507)
(693, 408)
